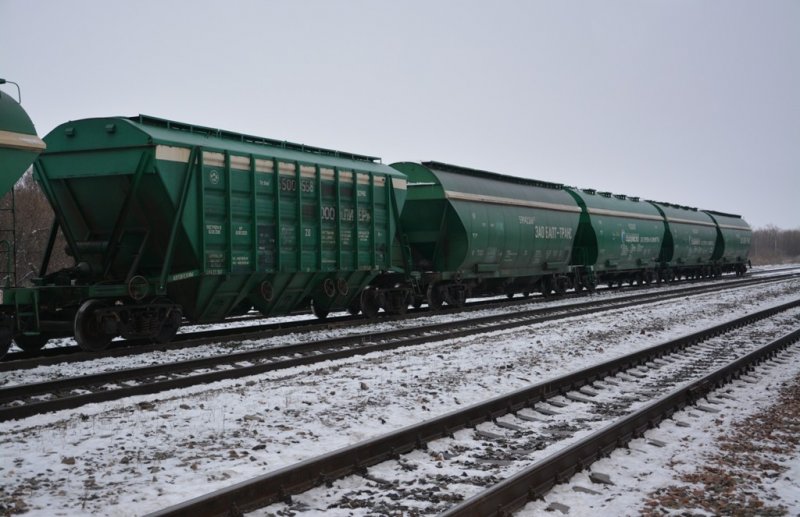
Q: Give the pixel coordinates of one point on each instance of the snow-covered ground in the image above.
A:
(430, 481)
(718, 464)
(138, 455)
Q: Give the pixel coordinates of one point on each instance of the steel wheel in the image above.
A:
(318, 311)
(560, 286)
(169, 327)
(355, 306)
(546, 286)
(398, 303)
(5, 340)
(88, 330)
(457, 297)
(435, 299)
(30, 343)
(369, 303)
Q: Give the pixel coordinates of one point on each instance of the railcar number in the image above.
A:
(552, 232)
(328, 213)
(290, 185)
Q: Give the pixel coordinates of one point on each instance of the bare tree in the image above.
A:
(772, 245)
(26, 218)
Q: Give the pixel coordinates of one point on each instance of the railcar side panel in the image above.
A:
(215, 220)
(733, 238)
(482, 224)
(692, 233)
(617, 233)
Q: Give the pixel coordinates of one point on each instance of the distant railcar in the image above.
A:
(732, 249)
(689, 242)
(619, 238)
(478, 232)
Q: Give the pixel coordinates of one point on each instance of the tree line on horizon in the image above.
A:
(34, 217)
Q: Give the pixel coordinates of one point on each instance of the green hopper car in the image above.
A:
(689, 242)
(619, 238)
(473, 232)
(167, 220)
(732, 249)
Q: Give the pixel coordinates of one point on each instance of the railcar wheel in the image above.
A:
(30, 343)
(398, 303)
(435, 299)
(88, 331)
(546, 287)
(318, 311)
(456, 296)
(369, 303)
(5, 340)
(561, 286)
(169, 327)
(354, 309)
(418, 300)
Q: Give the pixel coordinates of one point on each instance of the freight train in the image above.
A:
(168, 222)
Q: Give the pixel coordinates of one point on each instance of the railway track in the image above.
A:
(23, 400)
(73, 354)
(533, 482)
(614, 400)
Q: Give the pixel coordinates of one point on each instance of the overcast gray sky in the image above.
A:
(694, 102)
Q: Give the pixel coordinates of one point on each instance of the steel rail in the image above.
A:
(533, 482)
(359, 344)
(314, 352)
(294, 479)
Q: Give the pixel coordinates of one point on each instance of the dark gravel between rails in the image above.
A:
(49, 356)
(153, 379)
(281, 484)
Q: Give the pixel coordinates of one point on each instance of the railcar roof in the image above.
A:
(164, 130)
(722, 214)
(156, 122)
(446, 167)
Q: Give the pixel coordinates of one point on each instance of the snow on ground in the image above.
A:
(698, 469)
(138, 455)
(451, 468)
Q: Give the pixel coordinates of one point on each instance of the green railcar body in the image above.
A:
(19, 145)
(617, 233)
(690, 239)
(211, 220)
(733, 239)
(471, 224)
